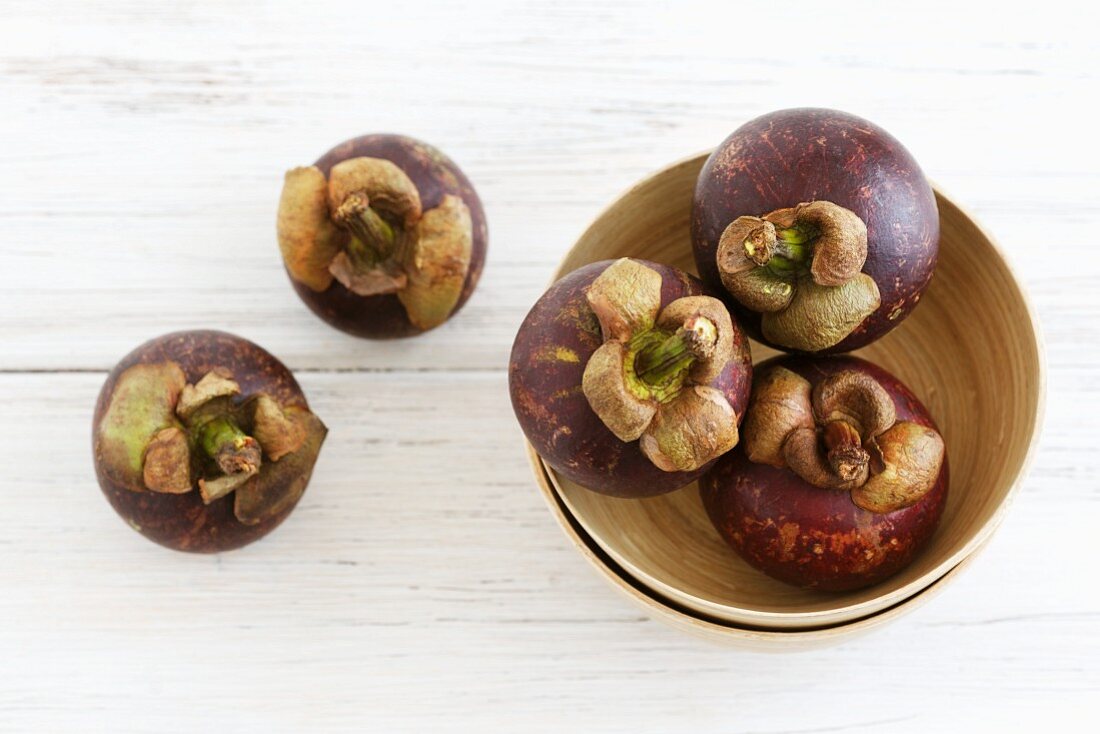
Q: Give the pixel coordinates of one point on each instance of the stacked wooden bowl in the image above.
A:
(971, 351)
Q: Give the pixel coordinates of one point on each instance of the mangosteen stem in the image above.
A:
(231, 448)
(845, 452)
(793, 245)
(791, 248)
(795, 235)
(661, 362)
(374, 238)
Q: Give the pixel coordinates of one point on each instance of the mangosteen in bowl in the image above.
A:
(203, 441)
(627, 377)
(818, 226)
(976, 382)
(840, 479)
(382, 237)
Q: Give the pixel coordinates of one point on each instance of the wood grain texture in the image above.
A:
(422, 584)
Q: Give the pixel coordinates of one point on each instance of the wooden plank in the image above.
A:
(422, 582)
(149, 162)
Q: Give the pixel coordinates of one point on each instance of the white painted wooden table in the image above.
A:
(422, 585)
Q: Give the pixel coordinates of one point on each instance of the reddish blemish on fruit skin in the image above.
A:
(800, 155)
(182, 521)
(435, 175)
(812, 537)
(552, 409)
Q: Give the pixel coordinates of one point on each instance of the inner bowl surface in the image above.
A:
(971, 352)
(759, 638)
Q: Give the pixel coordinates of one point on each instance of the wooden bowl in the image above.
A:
(745, 637)
(971, 351)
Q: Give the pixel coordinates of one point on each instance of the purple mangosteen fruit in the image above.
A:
(203, 441)
(818, 226)
(840, 477)
(629, 378)
(382, 237)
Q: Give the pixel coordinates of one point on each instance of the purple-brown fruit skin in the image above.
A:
(812, 537)
(549, 355)
(435, 176)
(792, 156)
(182, 521)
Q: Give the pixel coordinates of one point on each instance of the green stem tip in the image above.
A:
(795, 235)
(374, 239)
(792, 247)
(667, 359)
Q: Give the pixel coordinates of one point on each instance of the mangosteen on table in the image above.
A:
(629, 378)
(819, 227)
(382, 237)
(840, 478)
(203, 441)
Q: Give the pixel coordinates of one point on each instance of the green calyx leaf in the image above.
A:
(142, 404)
(819, 317)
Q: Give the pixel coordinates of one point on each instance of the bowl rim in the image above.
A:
(984, 533)
(717, 630)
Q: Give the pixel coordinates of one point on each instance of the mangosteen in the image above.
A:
(629, 378)
(203, 441)
(839, 480)
(819, 227)
(382, 237)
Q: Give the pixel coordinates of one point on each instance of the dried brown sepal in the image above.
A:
(279, 484)
(625, 298)
(692, 430)
(686, 311)
(650, 394)
(759, 289)
(907, 459)
(838, 234)
(805, 456)
(308, 239)
(216, 383)
(783, 218)
(387, 188)
(168, 462)
(374, 282)
(277, 434)
(779, 404)
(807, 306)
(840, 246)
(855, 398)
(843, 435)
(214, 489)
(746, 243)
(437, 262)
(605, 386)
(820, 317)
(141, 405)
